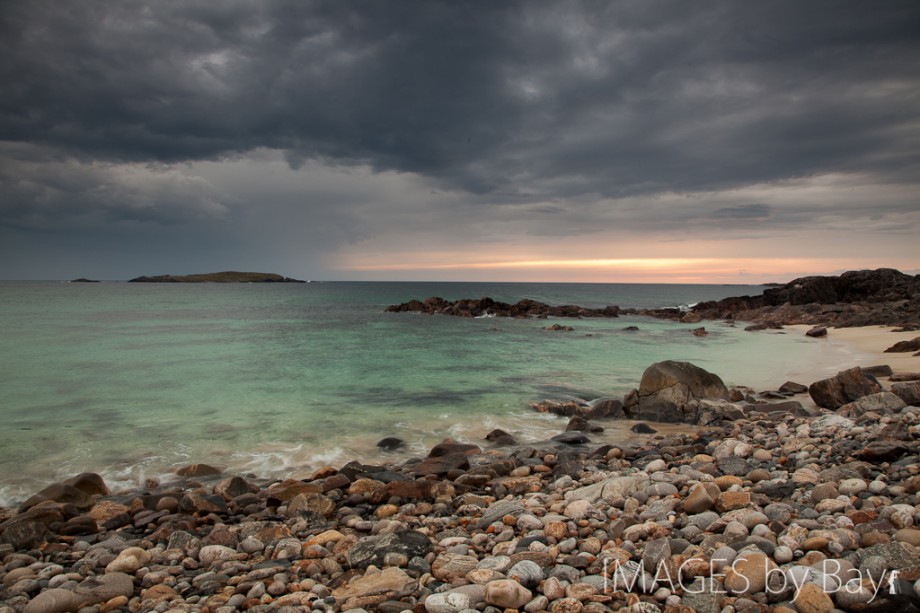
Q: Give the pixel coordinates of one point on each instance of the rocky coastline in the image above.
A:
(884, 297)
(769, 504)
(487, 307)
(804, 498)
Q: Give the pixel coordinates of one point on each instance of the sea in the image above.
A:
(131, 380)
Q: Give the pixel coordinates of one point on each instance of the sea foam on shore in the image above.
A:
(770, 510)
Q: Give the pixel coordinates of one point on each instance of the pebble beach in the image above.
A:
(811, 510)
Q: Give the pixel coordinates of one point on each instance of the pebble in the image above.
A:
(754, 502)
(507, 594)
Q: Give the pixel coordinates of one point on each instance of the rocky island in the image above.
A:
(219, 277)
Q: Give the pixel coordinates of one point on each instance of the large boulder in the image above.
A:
(667, 391)
(843, 388)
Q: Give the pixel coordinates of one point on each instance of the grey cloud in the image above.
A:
(546, 118)
(66, 190)
(620, 98)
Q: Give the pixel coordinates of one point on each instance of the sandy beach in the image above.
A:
(874, 340)
(859, 346)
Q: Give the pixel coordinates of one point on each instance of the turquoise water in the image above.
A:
(131, 380)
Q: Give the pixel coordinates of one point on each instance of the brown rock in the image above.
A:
(824, 491)
(55, 600)
(91, 483)
(881, 451)
(104, 510)
(846, 386)
(289, 488)
(370, 590)
(451, 567)
(194, 502)
(79, 525)
(441, 465)
(311, 504)
(882, 402)
(730, 501)
(908, 535)
(666, 387)
(791, 387)
(908, 391)
(812, 599)
(507, 594)
(748, 573)
(698, 500)
(167, 503)
(24, 534)
(905, 346)
(500, 437)
(232, 487)
(158, 593)
(60, 492)
(367, 487)
(912, 485)
(815, 543)
(449, 447)
(873, 537)
(421, 489)
(726, 481)
(197, 470)
(605, 408)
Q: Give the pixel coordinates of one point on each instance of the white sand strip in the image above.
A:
(867, 346)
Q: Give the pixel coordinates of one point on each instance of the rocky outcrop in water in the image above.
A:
(856, 298)
(487, 307)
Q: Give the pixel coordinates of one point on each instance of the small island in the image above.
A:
(84, 280)
(229, 276)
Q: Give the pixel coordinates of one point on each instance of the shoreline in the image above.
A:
(865, 345)
(537, 526)
(845, 348)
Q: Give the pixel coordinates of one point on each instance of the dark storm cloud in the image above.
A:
(284, 129)
(505, 99)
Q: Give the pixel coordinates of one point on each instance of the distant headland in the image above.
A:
(229, 276)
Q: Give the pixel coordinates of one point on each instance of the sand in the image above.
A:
(865, 346)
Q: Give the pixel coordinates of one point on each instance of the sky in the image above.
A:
(620, 141)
